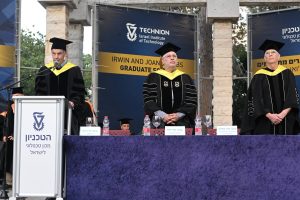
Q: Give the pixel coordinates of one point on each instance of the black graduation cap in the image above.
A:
(167, 48)
(16, 90)
(271, 44)
(124, 120)
(59, 43)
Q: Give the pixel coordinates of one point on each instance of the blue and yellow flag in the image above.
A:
(7, 46)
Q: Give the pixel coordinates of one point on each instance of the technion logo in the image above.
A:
(131, 34)
(38, 121)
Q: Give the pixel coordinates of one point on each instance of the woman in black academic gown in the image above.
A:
(273, 104)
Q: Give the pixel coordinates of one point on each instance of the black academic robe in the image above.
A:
(10, 119)
(9, 132)
(2, 120)
(68, 82)
(171, 95)
(86, 111)
(271, 92)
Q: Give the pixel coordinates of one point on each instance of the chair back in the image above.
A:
(119, 133)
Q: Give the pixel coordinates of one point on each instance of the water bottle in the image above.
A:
(105, 129)
(146, 128)
(198, 127)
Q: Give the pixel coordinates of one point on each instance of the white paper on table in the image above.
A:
(90, 131)
(174, 130)
(226, 130)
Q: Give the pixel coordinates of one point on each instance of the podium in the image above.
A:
(38, 141)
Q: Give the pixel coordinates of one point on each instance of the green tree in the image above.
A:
(239, 82)
(87, 70)
(87, 61)
(239, 68)
(256, 9)
(32, 58)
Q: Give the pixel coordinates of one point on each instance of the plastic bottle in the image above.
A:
(105, 129)
(146, 128)
(198, 127)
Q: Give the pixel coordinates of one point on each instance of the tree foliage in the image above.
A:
(239, 67)
(87, 70)
(256, 9)
(32, 58)
(239, 82)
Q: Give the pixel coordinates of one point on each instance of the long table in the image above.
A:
(183, 168)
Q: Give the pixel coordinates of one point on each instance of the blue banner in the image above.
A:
(127, 40)
(282, 26)
(7, 46)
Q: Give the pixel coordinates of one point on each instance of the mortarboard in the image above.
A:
(167, 48)
(17, 90)
(271, 44)
(124, 120)
(59, 43)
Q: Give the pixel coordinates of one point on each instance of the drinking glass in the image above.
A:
(156, 121)
(89, 121)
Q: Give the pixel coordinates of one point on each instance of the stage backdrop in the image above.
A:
(282, 26)
(7, 45)
(126, 39)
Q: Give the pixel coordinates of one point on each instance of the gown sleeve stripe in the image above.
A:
(150, 92)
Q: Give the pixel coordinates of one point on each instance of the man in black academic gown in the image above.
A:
(8, 137)
(87, 110)
(61, 77)
(272, 99)
(2, 120)
(170, 93)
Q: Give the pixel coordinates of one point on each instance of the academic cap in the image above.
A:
(167, 48)
(125, 120)
(271, 44)
(59, 43)
(16, 90)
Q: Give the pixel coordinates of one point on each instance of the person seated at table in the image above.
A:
(87, 110)
(125, 124)
(8, 137)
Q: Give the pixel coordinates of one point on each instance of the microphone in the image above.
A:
(56, 64)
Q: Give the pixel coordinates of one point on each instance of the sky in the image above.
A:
(33, 18)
